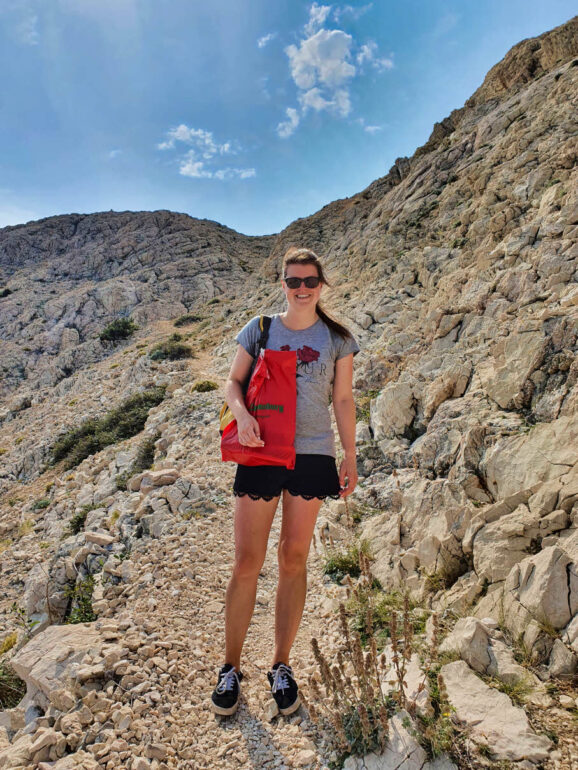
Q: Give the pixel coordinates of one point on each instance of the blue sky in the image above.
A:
(248, 113)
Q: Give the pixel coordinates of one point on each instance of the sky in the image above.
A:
(251, 113)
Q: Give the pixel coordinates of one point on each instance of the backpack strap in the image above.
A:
(264, 325)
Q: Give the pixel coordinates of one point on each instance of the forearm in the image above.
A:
(235, 399)
(344, 410)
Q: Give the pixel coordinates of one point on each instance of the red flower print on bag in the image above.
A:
(307, 355)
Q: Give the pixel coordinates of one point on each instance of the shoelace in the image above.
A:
(280, 681)
(227, 680)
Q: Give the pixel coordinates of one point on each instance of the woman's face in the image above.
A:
(302, 297)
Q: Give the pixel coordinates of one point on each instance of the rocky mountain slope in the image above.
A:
(458, 272)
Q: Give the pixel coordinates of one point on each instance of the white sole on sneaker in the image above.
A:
(292, 708)
(223, 712)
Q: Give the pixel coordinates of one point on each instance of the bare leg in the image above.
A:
(253, 519)
(299, 517)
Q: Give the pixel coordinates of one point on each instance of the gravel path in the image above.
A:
(184, 602)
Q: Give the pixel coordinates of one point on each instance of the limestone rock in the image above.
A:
(470, 640)
(490, 716)
(393, 411)
(402, 751)
(48, 658)
(519, 463)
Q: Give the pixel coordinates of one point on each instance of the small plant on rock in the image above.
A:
(26, 527)
(170, 350)
(143, 461)
(80, 596)
(76, 523)
(185, 320)
(204, 386)
(21, 619)
(338, 563)
(40, 504)
(8, 642)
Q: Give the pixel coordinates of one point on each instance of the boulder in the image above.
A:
(148, 480)
(393, 411)
(50, 657)
(470, 639)
(514, 360)
(520, 463)
(491, 718)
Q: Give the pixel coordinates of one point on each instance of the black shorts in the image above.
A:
(313, 476)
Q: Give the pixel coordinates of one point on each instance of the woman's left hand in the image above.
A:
(348, 471)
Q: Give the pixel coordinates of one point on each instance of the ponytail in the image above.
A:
(338, 328)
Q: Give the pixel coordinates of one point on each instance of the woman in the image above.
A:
(325, 351)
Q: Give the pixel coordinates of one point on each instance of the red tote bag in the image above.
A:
(272, 399)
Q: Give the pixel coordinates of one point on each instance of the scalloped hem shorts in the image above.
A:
(314, 476)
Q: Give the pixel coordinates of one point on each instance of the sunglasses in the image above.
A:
(311, 282)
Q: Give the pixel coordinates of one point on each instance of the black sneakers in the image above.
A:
(225, 697)
(284, 688)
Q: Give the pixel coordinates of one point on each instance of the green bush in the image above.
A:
(184, 320)
(94, 434)
(171, 350)
(382, 606)
(81, 598)
(39, 504)
(204, 386)
(119, 329)
(362, 403)
(341, 563)
(76, 523)
(143, 460)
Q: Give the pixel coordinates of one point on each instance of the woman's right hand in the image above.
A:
(248, 431)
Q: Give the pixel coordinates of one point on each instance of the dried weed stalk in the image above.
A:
(351, 694)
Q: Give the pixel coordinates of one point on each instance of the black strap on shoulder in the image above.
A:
(264, 325)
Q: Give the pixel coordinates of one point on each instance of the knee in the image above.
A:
(292, 558)
(247, 565)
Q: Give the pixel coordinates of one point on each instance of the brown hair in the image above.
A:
(299, 256)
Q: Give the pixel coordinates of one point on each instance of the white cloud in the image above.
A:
(369, 53)
(202, 161)
(114, 154)
(349, 10)
(369, 129)
(202, 140)
(317, 16)
(322, 59)
(314, 100)
(262, 42)
(287, 127)
(340, 104)
(229, 173)
(324, 64)
(197, 169)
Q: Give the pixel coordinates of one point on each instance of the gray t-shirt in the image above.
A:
(318, 348)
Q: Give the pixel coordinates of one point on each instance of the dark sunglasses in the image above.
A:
(312, 282)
